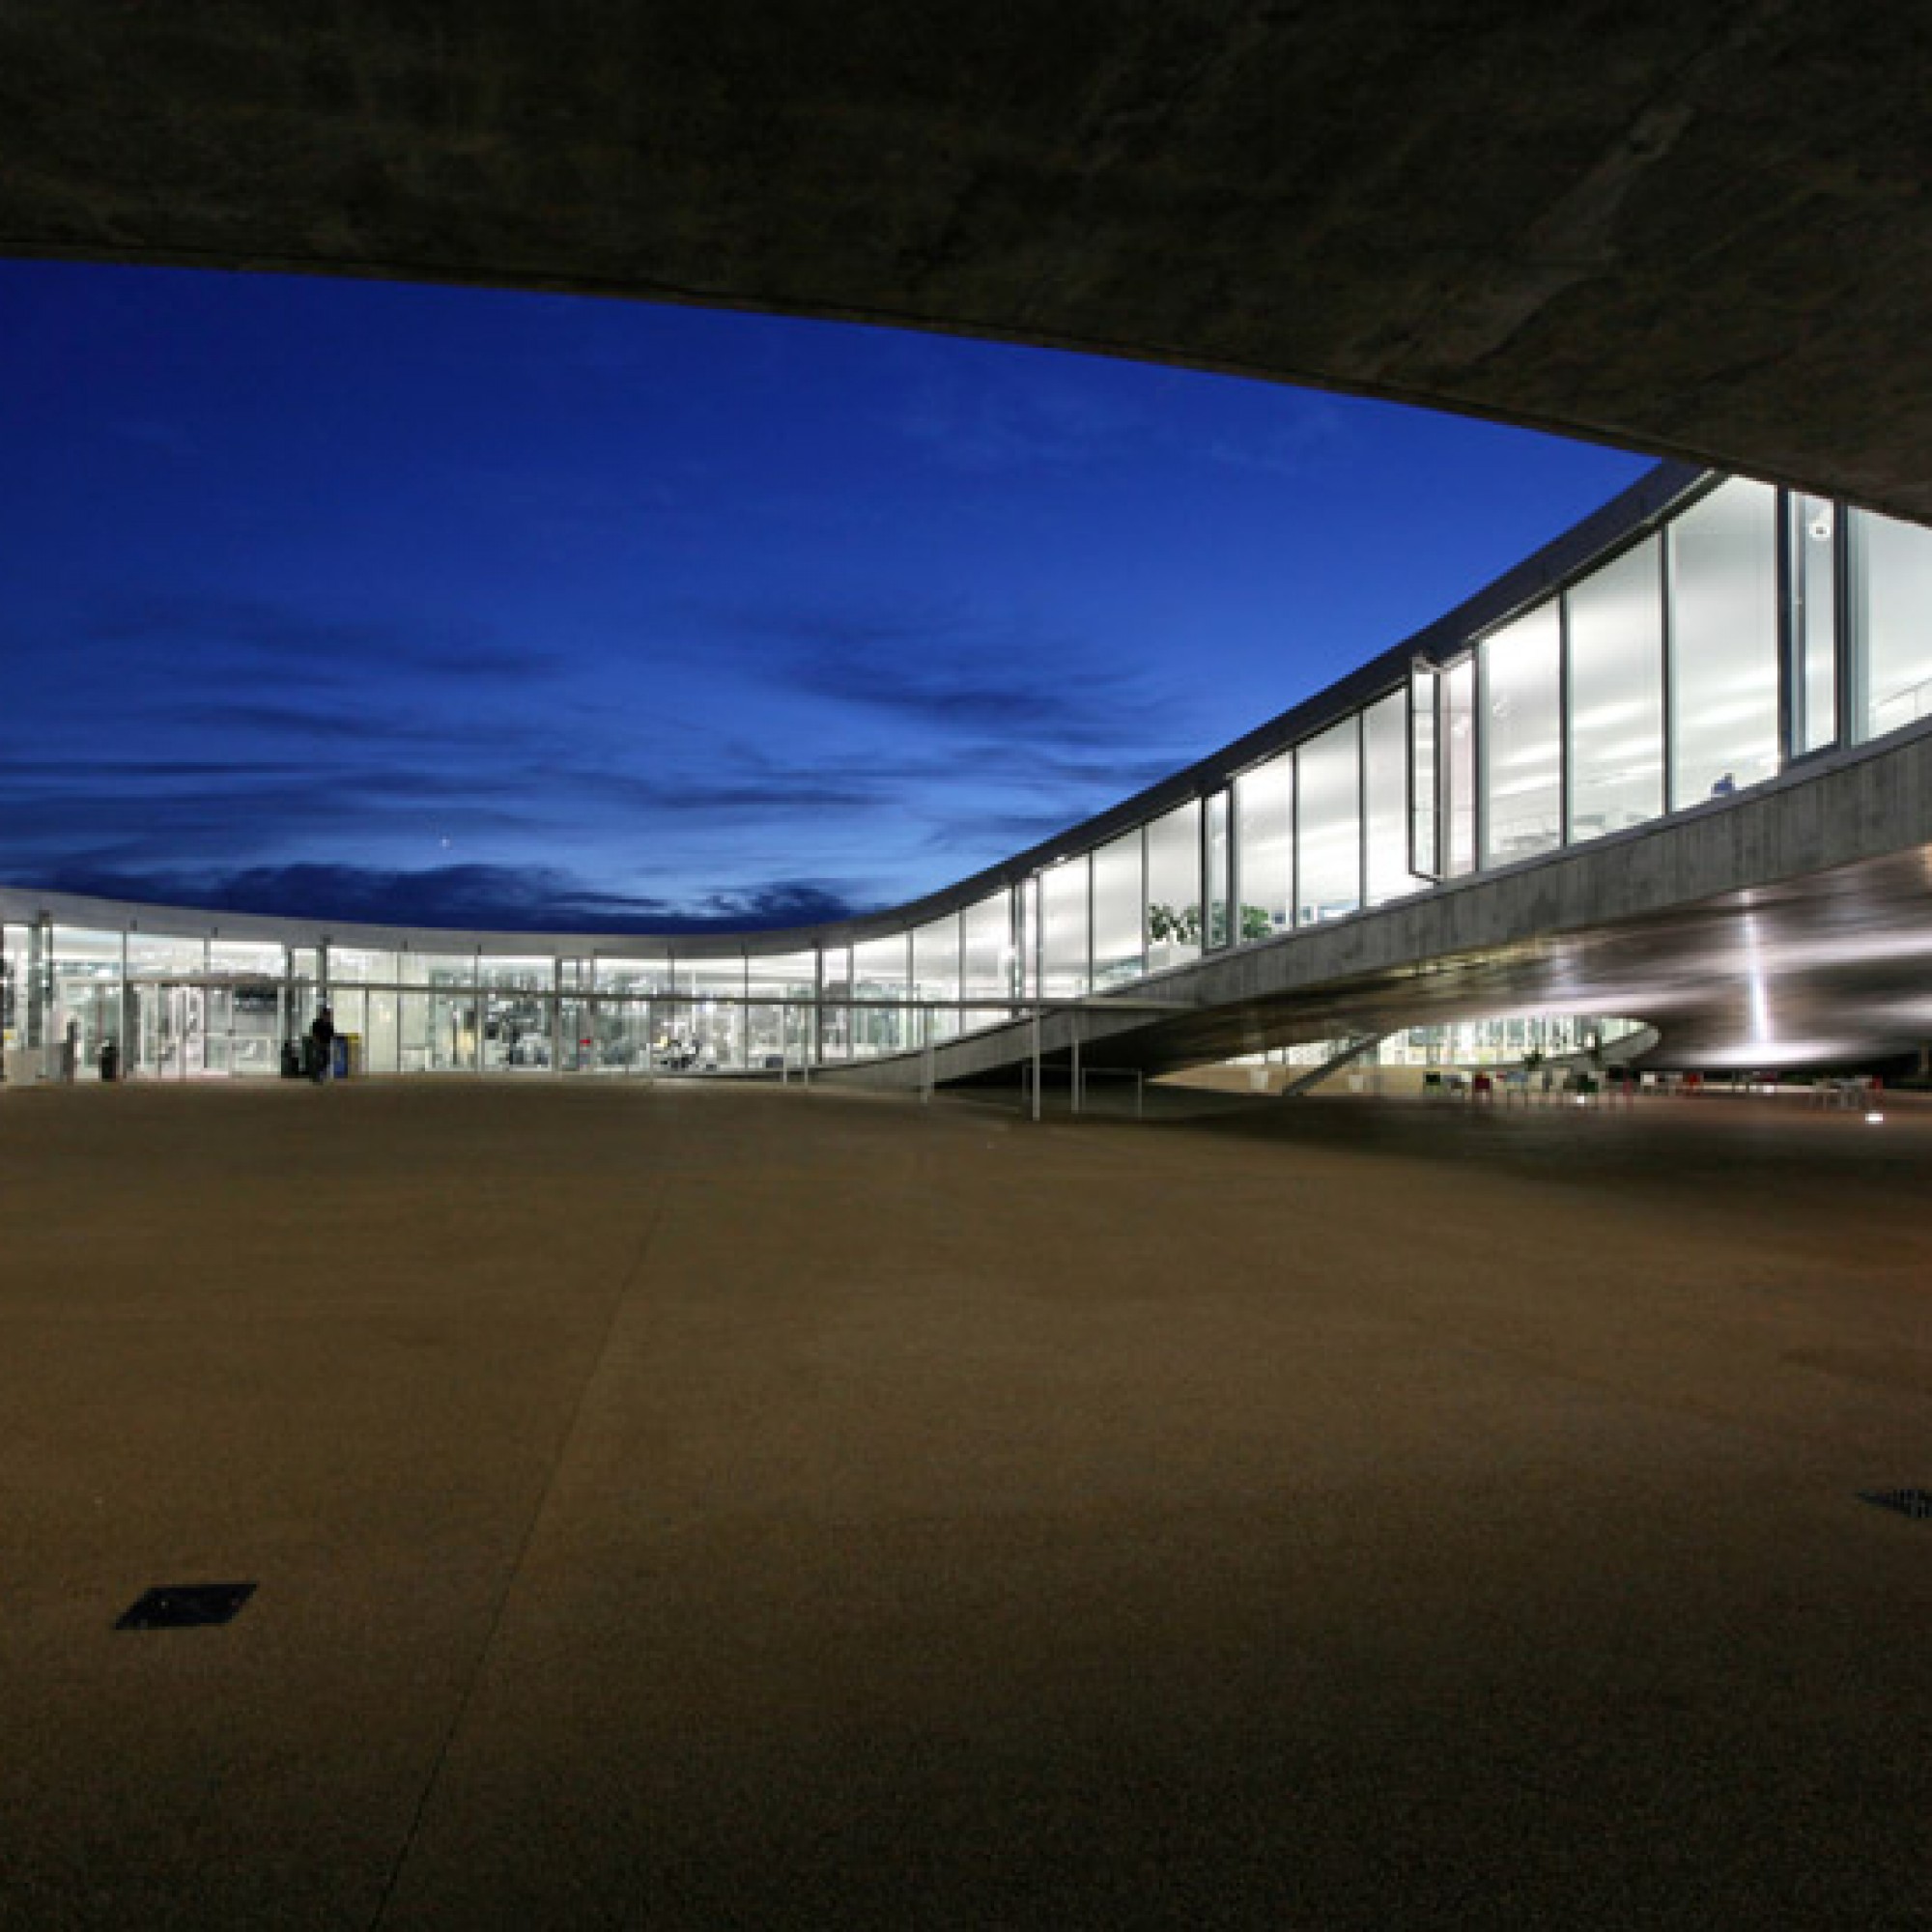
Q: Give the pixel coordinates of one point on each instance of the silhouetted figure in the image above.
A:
(322, 1045)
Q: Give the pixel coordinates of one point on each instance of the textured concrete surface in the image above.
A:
(1700, 232)
(715, 1507)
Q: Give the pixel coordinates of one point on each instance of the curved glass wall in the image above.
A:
(1519, 678)
(1614, 632)
(1264, 849)
(1715, 636)
(1723, 643)
(1173, 926)
(1328, 824)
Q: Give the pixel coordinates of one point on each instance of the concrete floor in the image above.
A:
(717, 1507)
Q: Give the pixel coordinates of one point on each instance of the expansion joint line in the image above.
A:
(633, 1273)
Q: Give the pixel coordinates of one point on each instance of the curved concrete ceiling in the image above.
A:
(1698, 231)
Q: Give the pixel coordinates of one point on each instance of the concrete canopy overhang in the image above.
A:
(1697, 232)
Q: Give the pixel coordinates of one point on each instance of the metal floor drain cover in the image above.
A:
(180, 1606)
(1907, 1502)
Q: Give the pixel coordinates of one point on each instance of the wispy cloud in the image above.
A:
(485, 897)
(952, 672)
(191, 627)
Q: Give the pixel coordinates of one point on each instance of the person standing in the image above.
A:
(322, 1045)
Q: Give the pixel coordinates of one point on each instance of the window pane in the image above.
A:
(1215, 848)
(349, 965)
(1174, 887)
(989, 969)
(1328, 824)
(1385, 747)
(879, 975)
(82, 953)
(1264, 848)
(1062, 900)
(714, 978)
(1459, 767)
(792, 974)
(1616, 694)
(1814, 623)
(1423, 779)
(935, 958)
(1892, 577)
(835, 1022)
(935, 975)
(1117, 911)
(150, 957)
(1522, 784)
(633, 976)
(879, 966)
(1723, 643)
(502, 971)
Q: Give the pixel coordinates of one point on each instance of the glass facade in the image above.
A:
(1118, 897)
(1264, 849)
(1813, 546)
(1385, 753)
(935, 981)
(1720, 636)
(1457, 698)
(1063, 895)
(1723, 643)
(1615, 634)
(1215, 864)
(1328, 824)
(1174, 887)
(1891, 564)
(1520, 683)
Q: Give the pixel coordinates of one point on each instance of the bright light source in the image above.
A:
(1873, 1120)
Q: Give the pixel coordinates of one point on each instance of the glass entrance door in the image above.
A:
(244, 1031)
(170, 1028)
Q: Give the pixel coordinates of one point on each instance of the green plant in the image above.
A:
(1183, 923)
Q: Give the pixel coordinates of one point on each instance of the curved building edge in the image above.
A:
(1694, 637)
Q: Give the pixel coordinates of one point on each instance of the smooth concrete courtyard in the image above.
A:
(704, 1506)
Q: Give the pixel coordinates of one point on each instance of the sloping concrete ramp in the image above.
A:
(1783, 926)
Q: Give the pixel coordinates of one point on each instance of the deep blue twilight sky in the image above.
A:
(483, 609)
